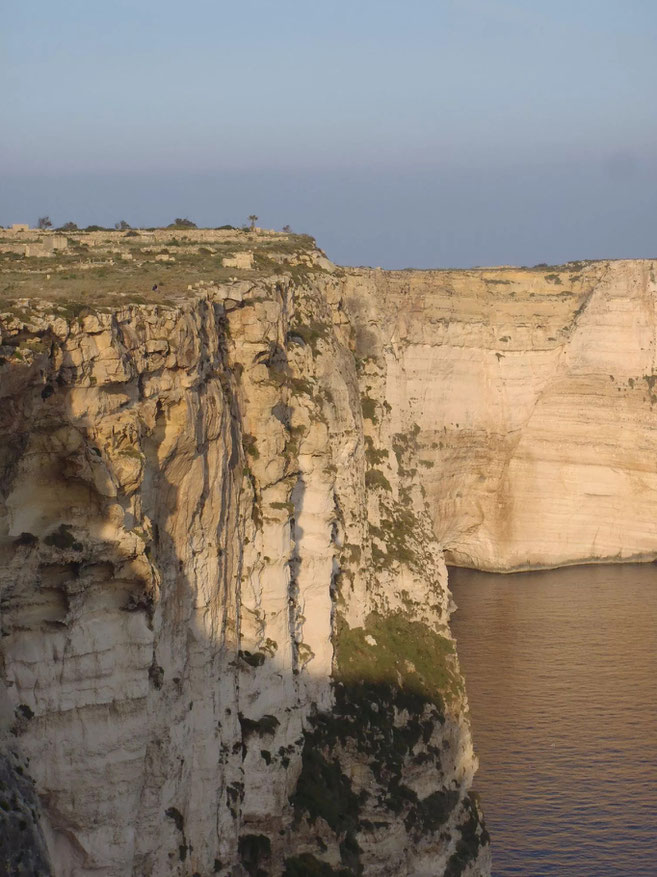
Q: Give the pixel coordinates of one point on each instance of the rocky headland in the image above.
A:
(230, 475)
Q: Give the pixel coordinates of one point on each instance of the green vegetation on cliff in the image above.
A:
(393, 677)
(391, 650)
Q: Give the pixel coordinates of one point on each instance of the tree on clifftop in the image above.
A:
(253, 219)
(44, 222)
(182, 223)
(122, 225)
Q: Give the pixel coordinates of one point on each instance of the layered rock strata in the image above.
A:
(223, 521)
(534, 393)
(224, 609)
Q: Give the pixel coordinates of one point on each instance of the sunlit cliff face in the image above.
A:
(534, 395)
(224, 608)
(225, 605)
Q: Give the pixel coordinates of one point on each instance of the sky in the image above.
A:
(399, 133)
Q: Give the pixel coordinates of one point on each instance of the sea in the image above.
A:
(561, 675)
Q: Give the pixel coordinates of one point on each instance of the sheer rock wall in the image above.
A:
(225, 644)
(224, 611)
(534, 391)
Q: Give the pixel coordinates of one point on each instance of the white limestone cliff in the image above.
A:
(534, 392)
(224, 611)
(223, 520)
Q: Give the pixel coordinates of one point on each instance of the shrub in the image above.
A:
(374, 457)
(253, 659)
(176, 815)
(369, 409)
(262, 726)
(308, 333)
(63, 539)
(253, 850)
(375, 478)
(249, 443)
(182, 223)
(324, 791)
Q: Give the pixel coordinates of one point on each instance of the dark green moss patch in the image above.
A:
(397, 533)
(324, 791)
(254, 850)
(368, 406)
(374, 478)
(474, 836)
(63, 539)
(249, 443)
(373, 456)
(253, 659)
(352, 552)
(263, 726)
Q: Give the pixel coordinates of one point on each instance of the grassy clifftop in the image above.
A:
(113, 268)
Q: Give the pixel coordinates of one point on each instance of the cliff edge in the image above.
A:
(224, 609)
(229, 476)
(534, 391)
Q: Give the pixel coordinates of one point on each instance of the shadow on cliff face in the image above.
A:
(22, 845)
(359, 764)
(364, 727)
(173, 701)
(106, 639)
(392, 680)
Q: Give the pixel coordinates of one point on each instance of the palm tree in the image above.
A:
(253, 219)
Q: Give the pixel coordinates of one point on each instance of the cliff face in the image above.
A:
(224, 610)
(534, 391)
(225, 644)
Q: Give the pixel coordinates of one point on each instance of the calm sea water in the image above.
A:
(561, 673)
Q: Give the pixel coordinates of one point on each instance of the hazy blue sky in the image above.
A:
(413, 132)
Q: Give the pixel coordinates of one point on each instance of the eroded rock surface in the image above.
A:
(224, 609)
(534, 395)
(225, 641)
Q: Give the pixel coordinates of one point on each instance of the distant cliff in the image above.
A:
(224, 497)
(535, 395)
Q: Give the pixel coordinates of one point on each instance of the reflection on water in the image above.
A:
(561, 673)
